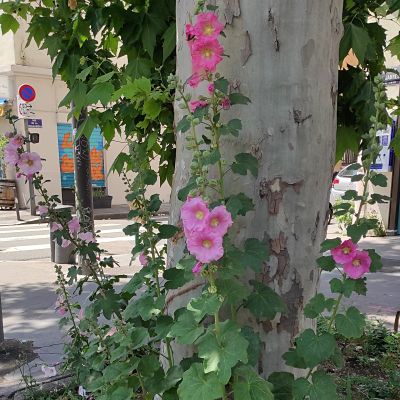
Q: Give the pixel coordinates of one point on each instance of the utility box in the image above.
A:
(384, 161)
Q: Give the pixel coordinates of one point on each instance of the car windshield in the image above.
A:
(348, 172)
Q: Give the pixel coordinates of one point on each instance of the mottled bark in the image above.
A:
(284, 56)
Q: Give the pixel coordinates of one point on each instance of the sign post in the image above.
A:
(26, 94)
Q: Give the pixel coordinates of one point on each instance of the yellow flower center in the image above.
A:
(356, 263)
(208, 30)
(214, 222)
(30, 162)
(346, 250)
(207, 53)
(199, 215)
(207, 244)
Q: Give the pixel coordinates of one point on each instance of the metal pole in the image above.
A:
(1, 323)
(32, 200)
(83, 182)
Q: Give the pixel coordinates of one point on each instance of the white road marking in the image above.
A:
(28, 228)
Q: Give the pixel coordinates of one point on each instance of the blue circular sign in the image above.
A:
(27, 93)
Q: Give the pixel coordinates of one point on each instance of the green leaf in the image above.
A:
(250, 386)
(207, 304)
(104, 78)
(347, 139)
(87, 127)
(85, 73)
(146, 306)
(183, 125)
(283, 383)
(356, 38)
(326, 263)
(376, 261)
(238, 98)
(176, 278)
(186, 330)
(167, 231)
(138, 337)
(350, 325)
(356, 232)
(239, 204)
(348, 286)
(212, 158)
(198, 385)
(379, 180)
(255, 346)
(222, 353)
(255, 254)
(184, 192)
(232, 127)
(100, 93)
(245, 162)
(8, 23)
(293, 359)
(263, 302)
(169, 41)
(330, 244)
(395, 144)
(313, 348)
(322, 388)
(317, 305)
(233, 291)
(222, 85)
(152, 108)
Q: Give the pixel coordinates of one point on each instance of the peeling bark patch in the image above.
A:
(232, 10)
(291, 147)
(245, 52)
(307, 52)
(294, 301)
(279, 250)
(274, 29)
(274, 190)
(298, 117)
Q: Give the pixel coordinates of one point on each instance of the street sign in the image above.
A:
(27, 93)
(23, 108)
(35, 123)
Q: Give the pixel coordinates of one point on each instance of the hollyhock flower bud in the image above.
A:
(190, 32)
(29, 163)
(211, 88)
(74, 225)
(197, 268)
(207, 54)
(345, 252)
(194, 213)
(219, 220)
(226, 103)
(195, 104)
(144, 261)
(16, 141)
(205, 245)
(195, 80)
(358, 266)
(208, 25)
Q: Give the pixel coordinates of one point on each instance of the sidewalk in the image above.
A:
(9, 217)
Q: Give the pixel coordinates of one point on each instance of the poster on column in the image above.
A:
(66, 156)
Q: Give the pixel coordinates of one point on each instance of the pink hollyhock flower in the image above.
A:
(194, 213)
(219, 220)
(195, 80)
(16, 141)
(195, 104)
(197, 268)
(11, 155)
(54, 227)
(87, 237)
(226, 103)
(74, 225)
(190, 31)
(43, 210)
(358, 266)
(111, 332)
(29, 163)
(207, 54)
(65, 243)
(205, 245)
(208, 25)
(60, 307)
(211, 88)
(345, 252)
(144, 261)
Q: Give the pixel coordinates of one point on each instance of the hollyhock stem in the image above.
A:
(217, 145)
(335, 311)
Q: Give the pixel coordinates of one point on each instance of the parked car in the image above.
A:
(341, 183)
